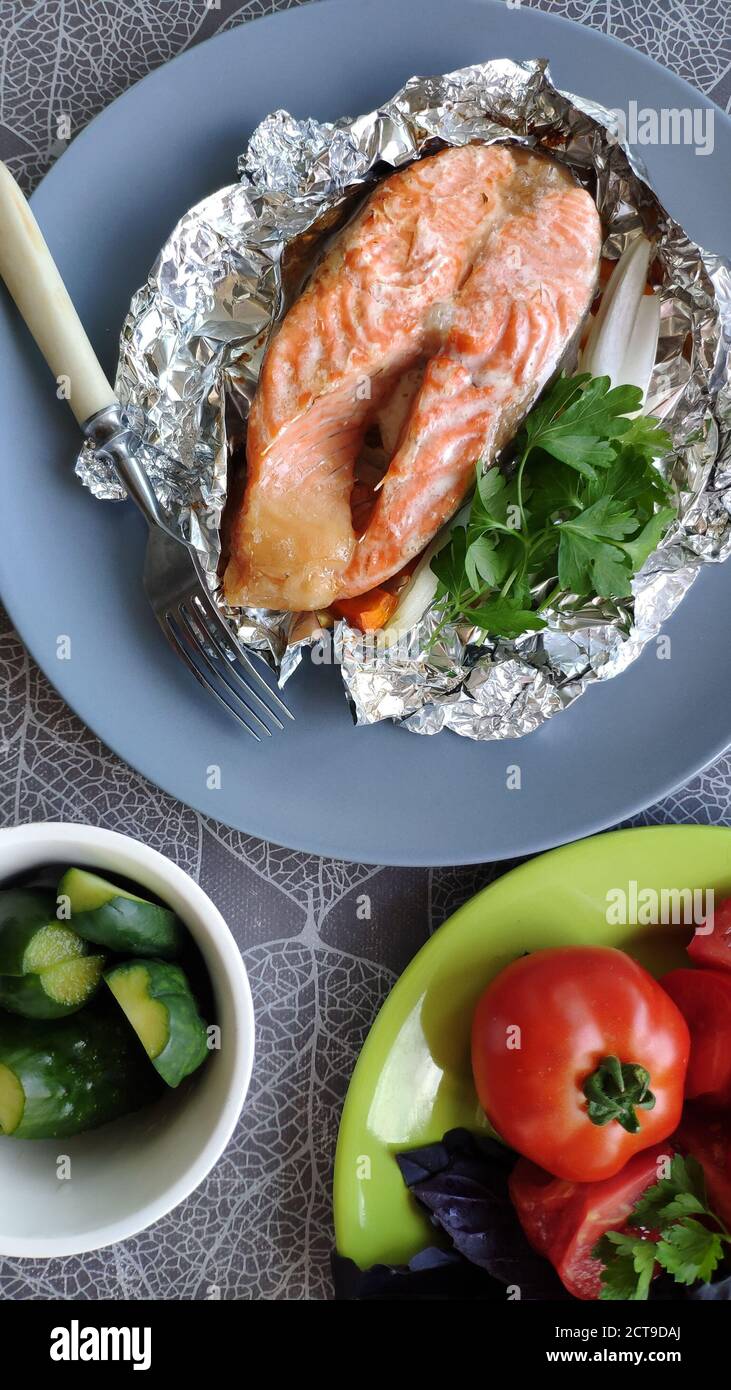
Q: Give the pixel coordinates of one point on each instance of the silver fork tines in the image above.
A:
(179, 595)
(199, 635)
(184, 642)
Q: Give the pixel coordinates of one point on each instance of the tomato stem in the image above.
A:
(615, 1091)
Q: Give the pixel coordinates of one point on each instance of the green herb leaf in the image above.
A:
(686, 1179)
(565, 390)
(690, 1251)
(629, 1262)
(686, 1247)
(449, 563)
(588, 563)
(685, 1204)
(585, 507)
(491, 490)
(642, 546)
(645, 1257)
(606, 518)
(596, 413)
(484, 564)
(501, 617)
(633, 480)
(646, 439)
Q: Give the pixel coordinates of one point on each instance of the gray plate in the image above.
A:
(71, 566)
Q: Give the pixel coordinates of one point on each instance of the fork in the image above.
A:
(173, 579)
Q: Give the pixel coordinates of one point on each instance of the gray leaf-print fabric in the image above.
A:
(320, 963)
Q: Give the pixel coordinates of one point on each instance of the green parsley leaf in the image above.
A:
(587, 565)
(585, 455)
(630, 478)
(685, 1204)
(642, 546)
(505, 618)
(491, 490)
(587, 561)
(686, 1178)
(628, 1262)
(606, 518)
(594, 414)
(646, 439)
(690, 1251)
(449, 563)
(688, 1248)
(483, 563)
(601, 410)
(565, 390)
(645, 1255)
(494, 505)
(585, 506)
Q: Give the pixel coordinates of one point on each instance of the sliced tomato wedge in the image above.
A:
(704, 1000)
(564, 1220)
(713, 949)
(707, 1136)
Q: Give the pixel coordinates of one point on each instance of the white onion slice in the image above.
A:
(607, 348)
(422, 586)
(639, 360)
(416, 597)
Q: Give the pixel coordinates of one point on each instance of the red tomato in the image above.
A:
(562, 1044)
(564, 1220)
(704, 1000)
(708, 1138)
(714, 948)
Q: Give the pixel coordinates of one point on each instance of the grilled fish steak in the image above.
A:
(441, 310)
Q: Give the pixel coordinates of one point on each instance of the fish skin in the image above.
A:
(478, 263)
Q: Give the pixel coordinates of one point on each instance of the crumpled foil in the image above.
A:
(194, 337)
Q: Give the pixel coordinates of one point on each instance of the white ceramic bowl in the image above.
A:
(129, 1173)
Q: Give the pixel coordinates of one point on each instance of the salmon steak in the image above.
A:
(437, 316)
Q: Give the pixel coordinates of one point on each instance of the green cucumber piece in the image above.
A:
(24, 915)
(54, 992)
(159, 1004)
(45, 971)
(62, 1078)
(52, 946)
(107, 915)
(12, 1100)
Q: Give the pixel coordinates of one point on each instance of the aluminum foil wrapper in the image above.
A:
(192, 345)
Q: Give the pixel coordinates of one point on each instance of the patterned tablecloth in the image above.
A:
(260, 1227)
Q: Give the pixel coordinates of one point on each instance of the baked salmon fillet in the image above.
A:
(442, 310)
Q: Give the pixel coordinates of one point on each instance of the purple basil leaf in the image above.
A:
(432, 1274)
(718, 1290)
(462, 1183)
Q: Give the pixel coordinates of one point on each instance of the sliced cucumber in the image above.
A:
(159, 1004)
(24, 916)
(51, 946)
(107, 915)
(54, 992)
(45, 971)
(12, 1100)
(59, 1079)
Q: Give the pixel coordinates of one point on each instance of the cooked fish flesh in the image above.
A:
(440, 313)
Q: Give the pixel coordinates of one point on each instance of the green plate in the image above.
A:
(413, 1079)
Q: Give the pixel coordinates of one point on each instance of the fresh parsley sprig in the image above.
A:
(683, 1236)
(580, 513)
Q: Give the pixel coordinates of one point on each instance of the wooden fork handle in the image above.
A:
(33, 279)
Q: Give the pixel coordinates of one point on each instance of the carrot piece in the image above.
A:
(368, 612)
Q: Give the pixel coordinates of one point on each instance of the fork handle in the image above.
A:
(33, 279)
